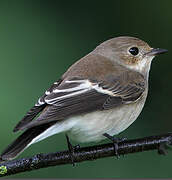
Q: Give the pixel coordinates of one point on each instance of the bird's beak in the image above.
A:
(155, 51)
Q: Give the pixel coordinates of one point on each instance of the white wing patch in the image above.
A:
(39, 103)
(52, 101)
(103, 91)
(85, 84)
(47, 92)
(82, 87)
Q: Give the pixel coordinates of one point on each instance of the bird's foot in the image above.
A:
(71, 149)
(115, 141)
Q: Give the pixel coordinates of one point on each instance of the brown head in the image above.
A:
(131, 52)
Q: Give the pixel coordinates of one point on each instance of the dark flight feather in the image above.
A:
(22, 141)
(35, 110)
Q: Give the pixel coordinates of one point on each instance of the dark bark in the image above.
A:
(38, 161)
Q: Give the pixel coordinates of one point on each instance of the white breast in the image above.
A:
(92, 126)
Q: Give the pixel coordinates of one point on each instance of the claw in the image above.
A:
(115, 142)
(77, 147)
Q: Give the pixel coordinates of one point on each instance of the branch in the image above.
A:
(85, 154)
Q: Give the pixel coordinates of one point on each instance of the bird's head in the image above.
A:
(130, 52)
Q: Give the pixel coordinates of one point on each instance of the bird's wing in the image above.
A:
(77, 96)
(35, 110)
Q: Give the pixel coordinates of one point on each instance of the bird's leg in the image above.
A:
(115, 141)
(71, 149)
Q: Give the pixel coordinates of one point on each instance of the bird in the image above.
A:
(98, 97)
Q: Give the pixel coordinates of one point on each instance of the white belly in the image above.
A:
(91, 127)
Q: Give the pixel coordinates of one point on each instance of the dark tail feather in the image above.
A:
(31, 114)
(16, 147)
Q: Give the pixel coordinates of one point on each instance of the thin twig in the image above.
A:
(86, 153)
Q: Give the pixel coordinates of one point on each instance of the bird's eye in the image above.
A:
(134, 51)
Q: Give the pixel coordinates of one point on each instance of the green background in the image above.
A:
(40, 39)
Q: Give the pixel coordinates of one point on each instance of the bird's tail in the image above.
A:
(23, 141)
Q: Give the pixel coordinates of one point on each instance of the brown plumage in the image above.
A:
(103, 92)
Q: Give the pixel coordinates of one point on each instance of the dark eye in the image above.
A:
(134, 51)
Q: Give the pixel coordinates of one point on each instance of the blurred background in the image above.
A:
(40, 39)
